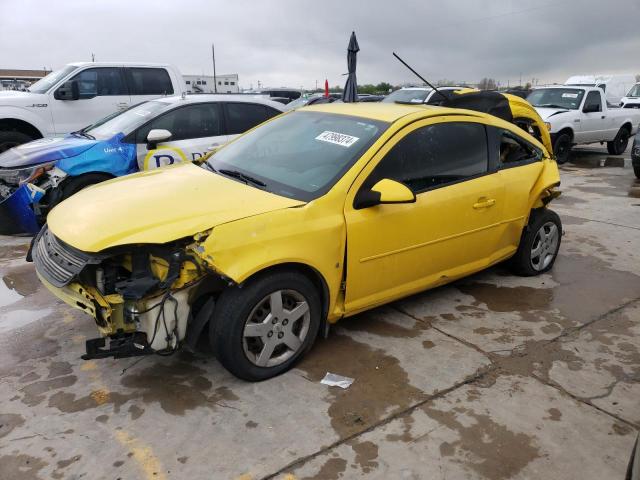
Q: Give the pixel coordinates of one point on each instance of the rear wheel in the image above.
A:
(562, 148)
(259, 330)
(619, 144)
(12, 139)
(539, 244)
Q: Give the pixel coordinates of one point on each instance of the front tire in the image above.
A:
(562, 148)
(539, 244)
(9, 140)
(260, 329)
(619, 144)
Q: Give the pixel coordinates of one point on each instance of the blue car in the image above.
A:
(36, 176)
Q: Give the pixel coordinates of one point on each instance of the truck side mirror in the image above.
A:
(68, 91)
(156, 136)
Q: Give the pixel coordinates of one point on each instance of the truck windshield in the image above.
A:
(127, 121)
(44, 84)
(569, 98)
(635, 91)
(299, 155)
(408, 95)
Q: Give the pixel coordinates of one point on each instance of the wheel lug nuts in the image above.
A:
(275, 320)
(280, 335)
(284, 322)
(270, 334)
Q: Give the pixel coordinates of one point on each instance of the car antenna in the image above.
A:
(420, 76)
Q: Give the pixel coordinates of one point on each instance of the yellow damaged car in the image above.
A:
(316, 215)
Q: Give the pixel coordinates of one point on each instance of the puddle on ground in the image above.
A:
(585, 159)
(18, 283)
(9, 422)
(177, 387)
(15, 319)
(21, 466)
(486, 441)
(381, 385)
(13, 252)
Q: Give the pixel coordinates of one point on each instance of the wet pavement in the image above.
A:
(492, 377)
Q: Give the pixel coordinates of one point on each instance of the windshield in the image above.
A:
(44, 84)
(635, 91)
(569, 98)
(409, 95)
(127, 121)
(299, 155)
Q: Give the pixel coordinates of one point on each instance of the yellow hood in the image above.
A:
(157, 206)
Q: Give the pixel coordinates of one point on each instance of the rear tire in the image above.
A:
(262, 328)
(619, 144)
(12, 139)
(636, 170)
(539, 244)
(562, 148)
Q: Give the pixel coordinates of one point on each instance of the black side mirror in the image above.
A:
(591, 107)
(68, 91)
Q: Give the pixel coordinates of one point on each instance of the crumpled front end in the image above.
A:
(140, 296)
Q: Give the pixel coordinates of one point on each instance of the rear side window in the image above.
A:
(515, 151)
(193, 121)
(149, 81)
(244, 116)
(98, 82)
(436, 155)
(593, 101)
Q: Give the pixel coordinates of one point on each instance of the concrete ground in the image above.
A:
(492, 377)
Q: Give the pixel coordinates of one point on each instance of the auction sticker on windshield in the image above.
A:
(337, 138)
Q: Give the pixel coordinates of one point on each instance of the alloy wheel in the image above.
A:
(545, 245)
(276, 328)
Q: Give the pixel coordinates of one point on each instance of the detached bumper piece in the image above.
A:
(120, 346)
(16, 211)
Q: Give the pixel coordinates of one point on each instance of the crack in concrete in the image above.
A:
(478, 375)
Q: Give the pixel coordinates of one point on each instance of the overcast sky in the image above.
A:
(296, 42)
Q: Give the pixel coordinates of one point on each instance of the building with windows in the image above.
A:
(19, 79)
(205, 83)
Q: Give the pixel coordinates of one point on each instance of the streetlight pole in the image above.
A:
(213, 55)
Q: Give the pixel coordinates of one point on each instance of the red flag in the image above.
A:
(326, 88)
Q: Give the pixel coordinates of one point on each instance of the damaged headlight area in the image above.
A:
(139, 295)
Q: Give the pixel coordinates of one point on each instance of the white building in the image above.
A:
(205, 83)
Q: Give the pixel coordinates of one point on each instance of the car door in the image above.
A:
(519, 164)
(451, 229)
(593, 125)
(243, 116)
(194, 129)
(102, 91)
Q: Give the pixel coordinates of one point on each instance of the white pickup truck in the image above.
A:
(579, 115)
(78, 95)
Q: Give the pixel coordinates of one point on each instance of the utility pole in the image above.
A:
(93, 57)
(213, 55)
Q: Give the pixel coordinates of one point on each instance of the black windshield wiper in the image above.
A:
(242, 176)
(551, 105)
(82, 133)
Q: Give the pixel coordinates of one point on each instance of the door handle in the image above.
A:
(484, 204)
(603, 116)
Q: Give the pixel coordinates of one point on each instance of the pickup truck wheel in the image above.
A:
(562, 148)
(12, 139)
(619, 144)
(539, 244)
(636, 170)
(260, 329)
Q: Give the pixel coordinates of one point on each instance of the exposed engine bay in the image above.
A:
(140, 296)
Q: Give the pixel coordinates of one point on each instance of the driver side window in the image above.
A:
(435, 156)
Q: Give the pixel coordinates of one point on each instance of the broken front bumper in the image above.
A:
(17, 213)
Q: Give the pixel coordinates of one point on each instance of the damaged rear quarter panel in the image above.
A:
(245, 247)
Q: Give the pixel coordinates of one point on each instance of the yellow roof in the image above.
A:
(386, 112)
